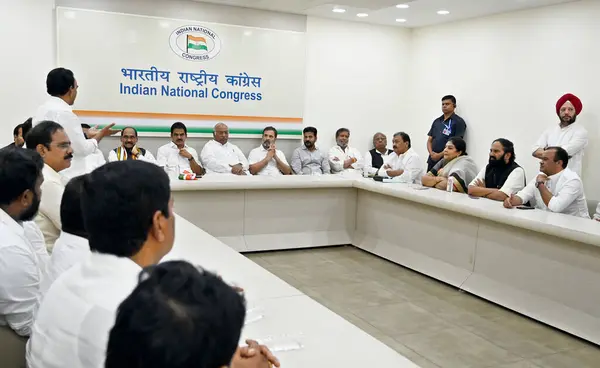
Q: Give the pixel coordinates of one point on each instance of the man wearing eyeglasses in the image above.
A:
(50, 140)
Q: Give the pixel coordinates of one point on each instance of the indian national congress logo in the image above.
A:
(195, 43)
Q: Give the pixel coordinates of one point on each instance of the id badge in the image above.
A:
(446, 131)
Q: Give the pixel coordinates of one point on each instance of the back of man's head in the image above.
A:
(19, 171)
(71, 216)
(124, 204)
(177, 317)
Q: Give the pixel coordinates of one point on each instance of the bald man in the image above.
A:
(568, 135)
(221, 157)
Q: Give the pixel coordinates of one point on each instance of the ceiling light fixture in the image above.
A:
(443, 12)
(339, 10)
(401, 20)
(362, 15)
(402, 6)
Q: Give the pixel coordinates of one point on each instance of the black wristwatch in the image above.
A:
(538, 183)
(191, 159)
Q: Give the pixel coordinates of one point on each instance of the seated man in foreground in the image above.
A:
(180, 311)
(343, 159)
(502, 176)
(267, 159)
(129, 149)
(308, 159)
(404, 164)
(50, 140)
(219, 156)
(555, 189)
(456, 165)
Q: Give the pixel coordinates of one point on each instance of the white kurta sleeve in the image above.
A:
(112, 156)
(336, 163)
(577, 143)
(211, 162)
(72, 126)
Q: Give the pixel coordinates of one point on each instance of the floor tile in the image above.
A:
(521, 364)
(456, 348)
(356, 296)
(588, 357)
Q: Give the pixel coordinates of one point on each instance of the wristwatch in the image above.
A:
(538, 183)
(191, 159)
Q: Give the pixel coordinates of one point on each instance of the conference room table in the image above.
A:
(301, 332)
(541, 264)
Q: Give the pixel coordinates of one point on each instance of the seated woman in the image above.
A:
(455, 164)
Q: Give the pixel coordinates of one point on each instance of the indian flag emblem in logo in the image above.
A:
(195, 43)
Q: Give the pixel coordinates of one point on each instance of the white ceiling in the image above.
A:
(420, 13)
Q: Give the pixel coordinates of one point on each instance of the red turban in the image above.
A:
(572, 99)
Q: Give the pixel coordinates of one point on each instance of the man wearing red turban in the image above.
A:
(568, 135)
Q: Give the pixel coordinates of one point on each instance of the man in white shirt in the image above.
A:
(62, 86)
(177, 157)
(343, 159)
(96, 159)
(52, 143)
(129, 149)
(502, 176)
(568, 135)
(375, 158)
(556, 188)
(73, 322)
(404, 164)
(267, 159)
(221, 157)
(72, 246)
(22, 262)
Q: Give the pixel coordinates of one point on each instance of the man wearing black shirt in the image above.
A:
(443, 128)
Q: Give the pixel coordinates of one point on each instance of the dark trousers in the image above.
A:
(12, 348)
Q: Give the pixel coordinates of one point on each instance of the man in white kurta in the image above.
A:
(219, 156)
(129, 149)
(62, 87)
(404, 164)
(176, 157)
(23, 260)
(556, 188)
(343, 159)
(568, 135)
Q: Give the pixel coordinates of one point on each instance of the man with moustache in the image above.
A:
(220, 156)
(50, 140)
(502, 176)
(267, 159)
(568, 135)
(129, 149)
(343, 159)
(376, 157)
(442, 129)
(404, 164)
(556, 188)
(22, 264)
(176, 157)
(308, 159)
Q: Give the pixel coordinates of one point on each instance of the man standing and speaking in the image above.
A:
(443, 128)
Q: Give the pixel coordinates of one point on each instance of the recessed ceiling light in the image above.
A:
(443, 12)
(401, 20)
(362, 15)
(339, 10)
(402, 6)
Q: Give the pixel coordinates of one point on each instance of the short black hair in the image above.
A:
(560, 154)
(507, 147)
(16, 130)
(177, 317)
(178, 125)
(71, 216)
(272, 129)
(310, 129)
(135, 130)
(59, 81)
(27, 125)
(42, 134)
(19, 171)
(131, 204)
(342, 130)
(85, 126)
(451, 98)
(459, 144)
(405, 138)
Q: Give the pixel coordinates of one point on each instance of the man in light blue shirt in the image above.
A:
(308, 159)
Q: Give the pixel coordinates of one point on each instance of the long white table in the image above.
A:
(540, 264)
(327, 339)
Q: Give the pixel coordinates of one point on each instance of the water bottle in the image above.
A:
(450, 184)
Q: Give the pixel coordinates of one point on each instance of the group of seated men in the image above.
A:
(101, 299)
